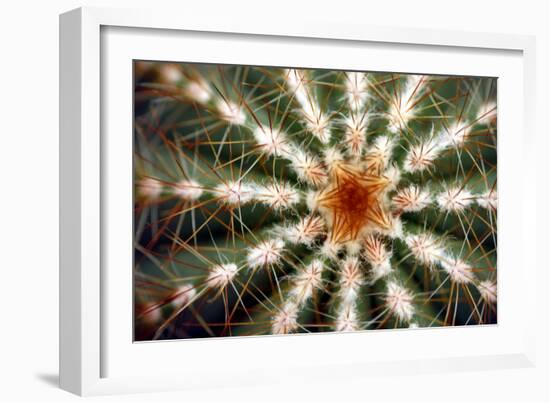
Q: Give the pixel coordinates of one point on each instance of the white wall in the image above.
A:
(28, 199)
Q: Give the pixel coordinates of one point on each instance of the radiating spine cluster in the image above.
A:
(297, 200)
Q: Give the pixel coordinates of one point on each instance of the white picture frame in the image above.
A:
(86, 310)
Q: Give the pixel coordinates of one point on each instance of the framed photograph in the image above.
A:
(256, 195)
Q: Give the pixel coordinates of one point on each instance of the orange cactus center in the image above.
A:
(353, 204)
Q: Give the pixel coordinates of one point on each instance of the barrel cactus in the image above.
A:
(272, 200)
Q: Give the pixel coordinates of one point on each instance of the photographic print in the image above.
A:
(277, 200)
